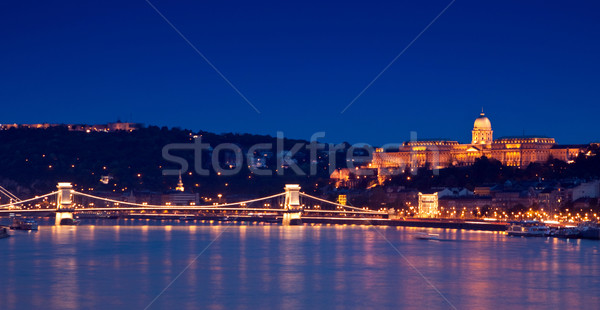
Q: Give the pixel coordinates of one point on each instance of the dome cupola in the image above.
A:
(482, 123)
(482, 130)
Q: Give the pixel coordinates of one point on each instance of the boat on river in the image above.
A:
(69, 221)
(566, 232)
(4, 232)
(21, 223)
(528, 230)
(423, 235)
(589, 231)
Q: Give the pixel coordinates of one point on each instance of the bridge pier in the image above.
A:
(64, 205)
(293, 210)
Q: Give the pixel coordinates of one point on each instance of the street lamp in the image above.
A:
(219, 195)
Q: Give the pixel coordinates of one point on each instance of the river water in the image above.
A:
(139, 264)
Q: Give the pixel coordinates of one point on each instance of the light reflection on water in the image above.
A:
(269, 266)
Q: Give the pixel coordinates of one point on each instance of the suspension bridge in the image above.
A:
(291, 206)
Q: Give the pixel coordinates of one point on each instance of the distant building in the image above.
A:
(482, 191)
(350, 178)
(587, 190)
(105, 179)
(179, 187)
(260, 159)
(29, 126)
(118, 126)
(454, 192)
(342, 199)
(428, 205)
(145, 197)
(437, 154)
(123, 126)
(179, 197)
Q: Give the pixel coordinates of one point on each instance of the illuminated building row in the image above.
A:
(510, 151)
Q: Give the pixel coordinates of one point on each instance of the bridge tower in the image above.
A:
(293, 210)
(64, 205)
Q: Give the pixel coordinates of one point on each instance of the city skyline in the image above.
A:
(435, 154)
(530, 66)
(413, 135)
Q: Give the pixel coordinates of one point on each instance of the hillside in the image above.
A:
(32, 161)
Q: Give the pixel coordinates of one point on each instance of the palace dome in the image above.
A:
(482, 122)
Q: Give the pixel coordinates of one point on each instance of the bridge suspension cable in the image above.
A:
(339, 204)
(219, 206)
(9, 194)
(27, 200)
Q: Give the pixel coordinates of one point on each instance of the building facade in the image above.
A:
(428, 205)
(438, 154)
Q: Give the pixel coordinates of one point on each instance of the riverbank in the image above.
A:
(437, 223)
(458, 224)
(409, 222)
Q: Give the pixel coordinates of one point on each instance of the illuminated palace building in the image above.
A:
(511, 151)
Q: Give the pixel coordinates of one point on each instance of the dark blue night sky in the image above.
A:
(533, 66)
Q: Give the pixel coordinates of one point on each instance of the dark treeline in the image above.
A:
(32, 161)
